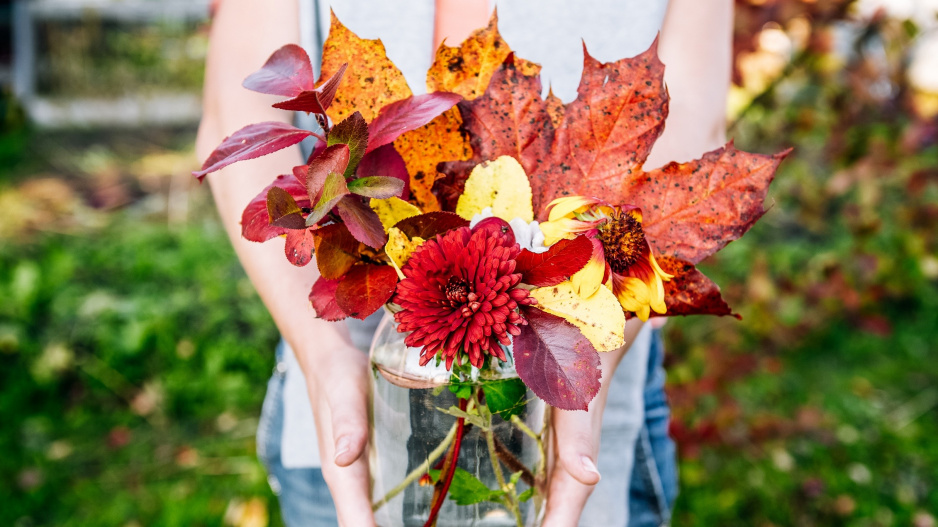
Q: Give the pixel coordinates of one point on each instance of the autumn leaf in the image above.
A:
(283, 210)
(561, 261)
(599, 317)
(336, 250)
(426, 147)
(371, 82)
(250, 142)
(255, 220)
(692, 210)
(690, 292)
(365, 288)
(400, 247)
(431, 224)
(353, 132)
(322, 297)
(287, 72)
(361, 221)
(317, 100)
(406, 115)
(556, 361)
(392, 210)
(298, 246)
(385, 161)
(500, 185)
(467, 68)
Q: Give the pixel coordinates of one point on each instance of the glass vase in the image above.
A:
(421, 415)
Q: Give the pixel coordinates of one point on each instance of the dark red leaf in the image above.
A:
(287, 72)
(406, 115)
(299, 246)
(556, 361)
(283, 210)
(255, 222)
(353, 131)
(314, 101)
(385, 161)
(322, 296)
(333, 160)
(252, 141)
(336, 250)
(690, 292)
(559, 263)
(692, 210)
(362, 221)
(365, 289)
(431, 224)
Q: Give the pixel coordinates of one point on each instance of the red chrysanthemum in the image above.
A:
(458, 296)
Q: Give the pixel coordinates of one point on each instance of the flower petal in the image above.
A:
(587, 281)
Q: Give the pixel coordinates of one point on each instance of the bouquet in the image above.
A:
(498, 226)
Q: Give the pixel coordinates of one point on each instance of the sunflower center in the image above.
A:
(456, 291)
(623, 241)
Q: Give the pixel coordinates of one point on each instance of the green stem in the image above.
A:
(421, 469)
(510, 497)
(515, 420)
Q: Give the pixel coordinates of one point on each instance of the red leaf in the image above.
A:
(385, 161)
(365, 289)
(252, 141)
(255, 222)
(336, 250)
(692, 210)
(406, 115)
(607, 132)
(362, 221)
(314, 101)
(431, 224)
(556, 361)
(287, 72)
(322, 296)
(333, 160)
(559, 263)
(511, 119)
(299, 246)
(690, 292)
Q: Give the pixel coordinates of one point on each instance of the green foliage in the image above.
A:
(506, 397)
(133, 364)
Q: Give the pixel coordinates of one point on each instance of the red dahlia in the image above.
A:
(458, 296)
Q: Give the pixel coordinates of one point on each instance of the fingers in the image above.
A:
(339, 394)
(575, 472)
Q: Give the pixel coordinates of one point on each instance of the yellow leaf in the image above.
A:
(392, 210)
(400, 247)
(599, 317)
(500, 184)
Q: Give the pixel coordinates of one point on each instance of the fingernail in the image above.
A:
(341, 447)
(589, 466)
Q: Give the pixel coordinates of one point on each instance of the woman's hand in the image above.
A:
(338, 390)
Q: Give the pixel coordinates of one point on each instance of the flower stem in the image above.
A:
(510, 498)
(421, 469)
(449, 467)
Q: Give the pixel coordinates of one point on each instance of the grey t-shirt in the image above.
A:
(551, 33)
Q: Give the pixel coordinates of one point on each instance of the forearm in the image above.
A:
(696, 48)
(228, 107)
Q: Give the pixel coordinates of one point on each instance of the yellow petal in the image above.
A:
(392, 210)
(598, 317)
(561, 207)
(634, 295)
(556, 230)
(500, 184)
(587, 280)
(400, 247)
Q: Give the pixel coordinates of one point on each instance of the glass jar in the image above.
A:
(416, 413)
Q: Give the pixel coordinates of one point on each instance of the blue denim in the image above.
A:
(305, 499)
(303, 494)
(654, 477)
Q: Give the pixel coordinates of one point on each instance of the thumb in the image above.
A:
(348, 409)
(577, 446)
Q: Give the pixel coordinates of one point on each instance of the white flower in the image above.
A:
(528, 235)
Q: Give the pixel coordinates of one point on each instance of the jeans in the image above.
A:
(305, 500)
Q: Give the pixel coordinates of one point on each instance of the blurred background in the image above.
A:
(134, 353)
